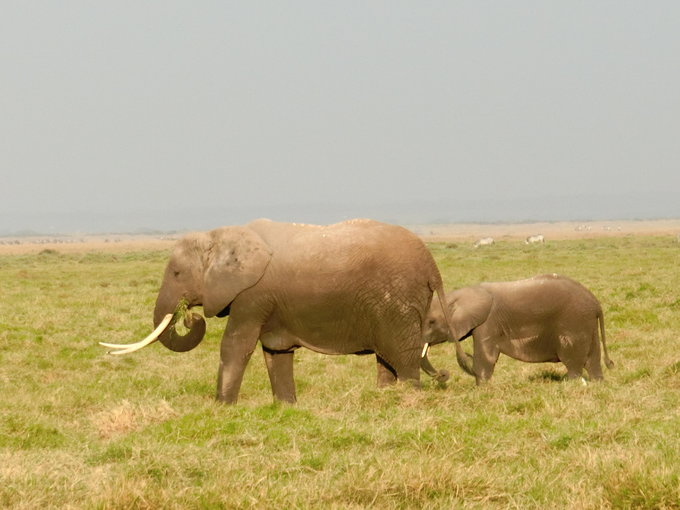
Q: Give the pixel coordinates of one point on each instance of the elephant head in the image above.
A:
(207, 269)
(468, 308)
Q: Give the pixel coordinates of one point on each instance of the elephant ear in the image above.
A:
(469, 307)
(235, 260)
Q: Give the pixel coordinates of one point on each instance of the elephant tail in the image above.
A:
(607, 361)
(464, 359)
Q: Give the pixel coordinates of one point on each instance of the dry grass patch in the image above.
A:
(126, 417)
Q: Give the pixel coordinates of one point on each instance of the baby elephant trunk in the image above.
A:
(441, 376)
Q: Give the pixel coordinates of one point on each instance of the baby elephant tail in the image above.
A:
(607, 360)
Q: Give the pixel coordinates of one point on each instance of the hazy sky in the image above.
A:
(196, 114)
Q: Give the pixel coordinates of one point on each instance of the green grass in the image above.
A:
(81, 429)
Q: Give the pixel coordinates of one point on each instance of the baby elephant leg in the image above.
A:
(484, 357)
(573, 354)
(593, 365)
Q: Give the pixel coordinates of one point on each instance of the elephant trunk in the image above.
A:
(170, 337)
(441, 376)
(463, 358)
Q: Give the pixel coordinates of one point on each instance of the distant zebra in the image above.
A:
(538, 238)
(484, 241)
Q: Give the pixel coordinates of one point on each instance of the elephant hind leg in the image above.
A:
(574, 370)
(399, 366)
(573, 353)
(280, 370)
(389, 372)
(387, 376)
(593, 366)
(574, 366)
(398, 351)
(594, 370)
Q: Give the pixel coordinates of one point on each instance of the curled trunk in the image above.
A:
(440, 376)
(170, 338)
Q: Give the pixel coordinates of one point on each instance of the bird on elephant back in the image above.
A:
(356, 287)
(547, 318)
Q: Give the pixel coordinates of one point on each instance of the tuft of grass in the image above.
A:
(673, 369)
(126, 417)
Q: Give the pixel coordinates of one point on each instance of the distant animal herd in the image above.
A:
(488, 241)
(42, 240)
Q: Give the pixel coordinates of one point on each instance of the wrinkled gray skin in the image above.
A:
(356, 287)
(548, 318)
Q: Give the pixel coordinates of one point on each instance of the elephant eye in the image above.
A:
(176, 273)
(431, 322)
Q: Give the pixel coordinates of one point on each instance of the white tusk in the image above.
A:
(127, 348)
(426, 348)
(166, 320)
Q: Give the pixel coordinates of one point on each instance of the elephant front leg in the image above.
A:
(484, 358)
(280, 369)
(238, 344)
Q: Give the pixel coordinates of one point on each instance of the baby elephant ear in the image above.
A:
(471, 307)
(235, 260)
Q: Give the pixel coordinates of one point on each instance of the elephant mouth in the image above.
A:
(225, 311)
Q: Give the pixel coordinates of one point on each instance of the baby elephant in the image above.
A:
(545, 318)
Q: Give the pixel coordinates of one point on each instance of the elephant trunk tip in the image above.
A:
(441, 376)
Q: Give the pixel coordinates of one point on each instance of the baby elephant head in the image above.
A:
(468, 308)
(436, 330)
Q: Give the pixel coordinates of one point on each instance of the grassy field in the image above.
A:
(81, 429)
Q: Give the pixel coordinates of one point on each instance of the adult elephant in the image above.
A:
(548, 318)
(356, 287)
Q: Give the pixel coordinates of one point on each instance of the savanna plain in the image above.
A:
(83, 429)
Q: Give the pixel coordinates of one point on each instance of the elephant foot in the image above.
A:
(285, 399)
(225, 400)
